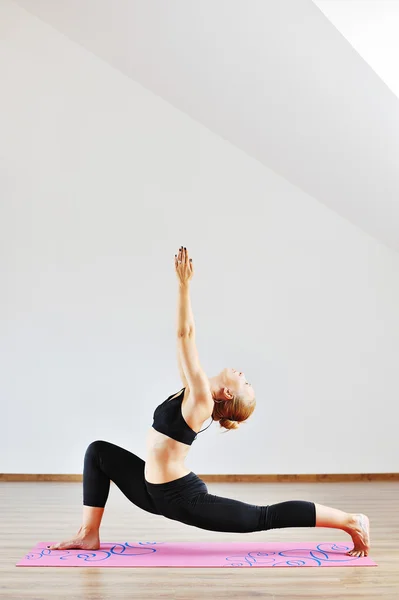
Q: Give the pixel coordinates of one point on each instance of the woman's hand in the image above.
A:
(183, 266)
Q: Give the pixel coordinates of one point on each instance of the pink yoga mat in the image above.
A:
(200, 554)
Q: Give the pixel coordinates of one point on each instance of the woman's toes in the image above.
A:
(65, 545)
(55, 547)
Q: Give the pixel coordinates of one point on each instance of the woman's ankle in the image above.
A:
(351, 522)
(89, 529)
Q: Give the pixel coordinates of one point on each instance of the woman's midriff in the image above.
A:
(164, 458)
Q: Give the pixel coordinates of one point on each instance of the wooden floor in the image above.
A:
(33, 512)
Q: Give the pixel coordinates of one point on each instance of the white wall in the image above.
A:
(101, 182)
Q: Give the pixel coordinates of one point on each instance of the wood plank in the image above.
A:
(245, 478)
(32, 512)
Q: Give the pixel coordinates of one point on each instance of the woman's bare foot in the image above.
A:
(359, 530)
(85, 539)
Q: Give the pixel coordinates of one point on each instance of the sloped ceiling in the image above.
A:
(372, 28)
(274, 77)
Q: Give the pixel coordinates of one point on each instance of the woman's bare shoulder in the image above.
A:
(196, 411)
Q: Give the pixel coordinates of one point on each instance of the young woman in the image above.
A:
(163, 485)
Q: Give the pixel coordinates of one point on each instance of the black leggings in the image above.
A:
(185, 499)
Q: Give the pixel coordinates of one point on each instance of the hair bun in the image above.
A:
(228, 423)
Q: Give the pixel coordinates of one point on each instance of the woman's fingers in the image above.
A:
(182, 259)
(182, 254)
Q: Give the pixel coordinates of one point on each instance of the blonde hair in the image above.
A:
(230, 413)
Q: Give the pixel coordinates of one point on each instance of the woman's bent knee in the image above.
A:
(95, 447)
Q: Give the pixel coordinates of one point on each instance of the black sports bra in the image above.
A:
(168, 419)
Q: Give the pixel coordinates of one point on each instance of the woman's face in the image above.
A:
(236, 381)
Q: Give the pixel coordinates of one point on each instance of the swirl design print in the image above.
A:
(117, 550)
(297, 558)
(198, 554)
